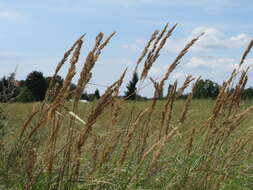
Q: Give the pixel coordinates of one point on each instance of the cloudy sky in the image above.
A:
(35, 34)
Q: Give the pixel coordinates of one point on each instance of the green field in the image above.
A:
(177, 167)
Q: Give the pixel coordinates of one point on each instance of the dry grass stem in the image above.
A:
(246, 52)
(146, 49)
(130, 134)
(158, 149)
(186, 108)
(167, 111)
(186, 83)
(155, 51)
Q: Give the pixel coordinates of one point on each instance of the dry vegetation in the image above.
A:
(117, 144)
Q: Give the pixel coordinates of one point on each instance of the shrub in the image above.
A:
(25, 95)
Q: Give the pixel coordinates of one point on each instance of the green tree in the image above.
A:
(206, 89)
(84, 96)
(131, 87)
(37, 84)
(247, 93)
(97, 94)
(91, 97)
(57, 81)
(25, 95)
(72, 87)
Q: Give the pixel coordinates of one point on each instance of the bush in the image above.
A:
(25, 95)
(206, 89)
(37, 85)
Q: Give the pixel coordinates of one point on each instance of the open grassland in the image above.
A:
(113, 143)
(185, 162)
(17, 113)
(199, 112)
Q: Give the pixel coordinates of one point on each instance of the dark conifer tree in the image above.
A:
(131, 87)
(97, 94)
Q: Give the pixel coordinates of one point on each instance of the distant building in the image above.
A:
(16, 83)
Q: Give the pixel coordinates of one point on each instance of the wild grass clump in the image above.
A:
(123, 145)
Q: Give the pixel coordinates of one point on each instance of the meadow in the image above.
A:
(115, 143)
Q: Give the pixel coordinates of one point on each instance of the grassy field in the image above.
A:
(175, 168)
(113, 143)
(200, 111)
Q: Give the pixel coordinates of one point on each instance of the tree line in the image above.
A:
(203, 89)
(35, 86)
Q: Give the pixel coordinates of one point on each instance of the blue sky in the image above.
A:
(35, 34)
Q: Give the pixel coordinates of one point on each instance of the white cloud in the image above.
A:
(214, 63)
(136, 46)
(177, 75)
(239, 40)
(125, 62)
(217, 64)
(248, 63)
(11, 16)
(24, 65)
(157, 70)
(213, 40)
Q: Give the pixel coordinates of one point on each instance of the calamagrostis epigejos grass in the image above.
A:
(30, 164)
(60, 64)
(189, 98)
(186, 83)
(246, 52)
(63, 94)
(155, 51)
(130, 134)
(89, 63)
(102, 103)
(166, 113)
(146, 49)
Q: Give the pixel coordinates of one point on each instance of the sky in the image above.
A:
(35, 34)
